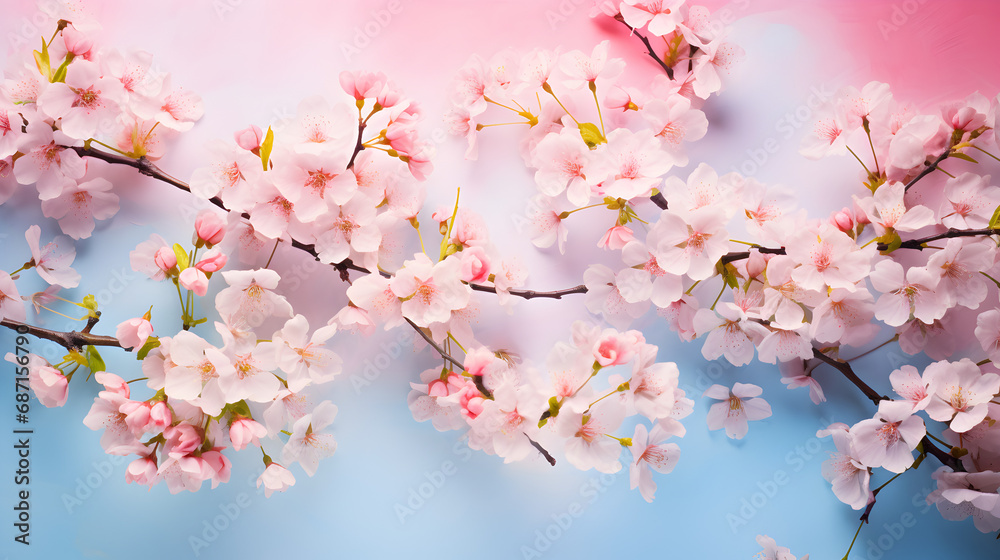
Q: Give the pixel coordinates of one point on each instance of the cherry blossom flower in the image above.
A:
(633, 164)
(50, 385)
(134, 332)
(306, 445)
(580, 69)
(902, 296)
(660, 17)
(11, 306)
(244, 432)
(620, 297)
(961, 494)
(302, 357)
(45, 163)
(674, 121)
(563, 163)
(651, 453)
(275, 478)
(959, 264)
(849, 477)
(988, 333)
(969, 201)
(83, 101)
(774, 552)
(689, 244)
(907, 383)
(118, 438)
(829, 135)
(828, 259)
(430, 292)
(79, 205)
(250, 296)
(731, 333)
(888, 439)
(51, 263)
(962, 394)
(194, 279)
(737, 407)
(589, 446)
(888, 212)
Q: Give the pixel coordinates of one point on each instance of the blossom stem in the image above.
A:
(481, 126)
(862, 355)
(927, 170)
(600, 117)
(136, 379)
(987, 153)
(268, 265)
(488, 100)
(649, 48)
(61, 314)
(112, 148)
(933, 437)
(859, 160)
(548, 89)
(886, 483)
(457, 343)
(718, 297)
(872, 145)
(856, 533)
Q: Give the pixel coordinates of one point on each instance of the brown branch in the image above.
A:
(147, 168)
(848, 372)
(730, 257)
(358, 146)
(927, 170)
(659, 200)
(74, 340)
(650, 51)
(919, 244)
(946, 459)
(435, 345)
(546, 454)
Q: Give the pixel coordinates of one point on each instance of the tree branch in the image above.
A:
(74, 340)
(848, 372)
(927, 170)
(530, 294)
(918, 244)
(730, 257)
(649, 47)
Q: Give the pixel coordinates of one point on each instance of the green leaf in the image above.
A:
(266, 146)
(995, 220)
(151, 342)
(182, 256)
(966, 157)
(42, 61)
(591, 135)
(94, 360)
(892, 241)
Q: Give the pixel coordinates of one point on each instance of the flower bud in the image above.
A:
(165, 259)
(843, 220)
(76, 43)
(209, 229)
(194, 279)
(213, 261)
(249, 138)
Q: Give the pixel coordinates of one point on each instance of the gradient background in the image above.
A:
(252, 62)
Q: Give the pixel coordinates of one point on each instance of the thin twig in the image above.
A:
(650, 51)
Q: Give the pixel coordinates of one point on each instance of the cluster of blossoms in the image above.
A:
(795, 299)
(507, 409)
(57, 101)
(585, 156)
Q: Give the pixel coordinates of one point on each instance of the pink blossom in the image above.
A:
(50, 385)
(731, 333)
(142, 471)
(45, 162)
(209, 229)
(51, 263)
(475, 265)
(616, 238)
(249, 138)
(362, 85)
(303, 357)
(633, 164)
(651, 453)
(245, 431)
(907, 383)
(620, 297)
(11, 305)
(250, 295)
(165, 259)
(144, 258)
(902, 296)
(194, 279)
(580, 69)
(134, 332)
(988, 333)
(888, 439)
(962, 394)
(961, 494)
(689, 244)
(850, 478)
(771, 549)
(85, 100)
(674, 121)
(79, 205)
(887, 210)
(614, 348)
(588, 447)
(737, 407)
(182, 439)
(306, 444)
(969, 201)
(828, 258)
(660, 16)
(430, 291)
(177, 110)
(275, 478)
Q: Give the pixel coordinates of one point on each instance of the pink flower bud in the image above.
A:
(245, 431)
(134, 332)
(48, 383)
(209, 229)
(76, 43)
(142, 471)
(249, 138)
(275, 478)
(213, 261)
(136, 416)
(165, 259)
(361, 85)
(475, 265)
(160, 417)
(756, 263)
(613, 348)
(195, 280)
(616, 238)
(182, 440)
(843, 220)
